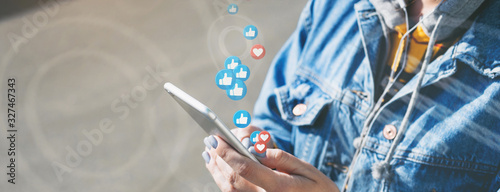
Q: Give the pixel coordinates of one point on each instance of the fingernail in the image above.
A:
(212, 141)
(246, 142)
(207, 143)
(252, 150)
(206, 156)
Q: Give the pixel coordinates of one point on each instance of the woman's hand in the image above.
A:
(279, 171)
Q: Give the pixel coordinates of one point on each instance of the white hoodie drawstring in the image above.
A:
(382, 169)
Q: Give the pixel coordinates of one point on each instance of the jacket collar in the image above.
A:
(455, 13)
(479, 47)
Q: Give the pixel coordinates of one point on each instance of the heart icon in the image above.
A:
(258, 51)
(260, 147)
(264, 136)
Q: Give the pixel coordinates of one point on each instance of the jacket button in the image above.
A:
(299, 109)
(356, 142)
(390, 132)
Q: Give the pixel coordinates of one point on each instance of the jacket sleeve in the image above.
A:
(266, 113)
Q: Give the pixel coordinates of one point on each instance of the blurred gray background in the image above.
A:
(91, 111)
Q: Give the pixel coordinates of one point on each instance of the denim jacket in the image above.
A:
(329, 64)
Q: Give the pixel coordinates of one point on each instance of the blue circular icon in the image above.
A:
(231, 62)
(225, 79)
(232, 9)
(238, 91)
(242, 118)
(254, 137)
(241, 72)
(250, 32)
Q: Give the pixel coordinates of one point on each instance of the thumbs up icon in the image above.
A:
(225, 80)
(232, 62)
(232, 9)
(236, 91)
(250, 32)
(242, 118)
(242, 74)
(232, 65)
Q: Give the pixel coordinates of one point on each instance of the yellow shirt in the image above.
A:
(416, 48)
(416, 52)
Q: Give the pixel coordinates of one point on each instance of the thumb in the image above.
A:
(242, 116)
(286, 162)
(225, 75)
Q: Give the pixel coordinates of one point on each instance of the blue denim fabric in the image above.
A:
(329, 62)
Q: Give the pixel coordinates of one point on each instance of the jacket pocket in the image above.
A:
(299, 103)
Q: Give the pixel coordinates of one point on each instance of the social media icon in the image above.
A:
(225, 79)
(231, 62)
(238, 91)
(264, 136)
(260, 147)
(254, 137)
(242, 118)
(232, 9)
(257, 51)
(250, 32)
(241, 72)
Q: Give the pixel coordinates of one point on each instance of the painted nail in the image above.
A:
(207, 143)
(212, 141)
(246, 142)
(206, 156)
(252, 150)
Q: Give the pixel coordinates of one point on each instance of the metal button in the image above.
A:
(390, 132)
(356, 142)
(299, 109)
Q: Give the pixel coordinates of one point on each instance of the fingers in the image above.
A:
(303, 172)
(235, 172)
(244, 167)
(287, 163)
(232, 179)
(214, 170)
(241, 133)
(224, 176)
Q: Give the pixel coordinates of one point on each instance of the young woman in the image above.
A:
(377, 95)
